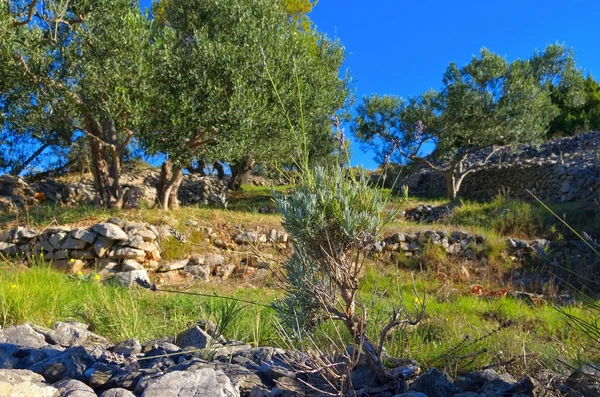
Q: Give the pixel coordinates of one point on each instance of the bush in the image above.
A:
(333, 217)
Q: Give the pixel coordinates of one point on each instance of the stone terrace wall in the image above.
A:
(563, 170)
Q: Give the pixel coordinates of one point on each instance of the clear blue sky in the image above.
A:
(402, 47)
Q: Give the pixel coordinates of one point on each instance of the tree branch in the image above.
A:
(30, 8)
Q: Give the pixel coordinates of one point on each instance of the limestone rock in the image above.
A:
(102, 245)
(74, 388)
(24, 383)
(434, 384)
(197, 338)
(24, 336)
(71, 363)
(130, 264)
(117, 392)
(110, 230)
(126, 253)
(127, 279)
(202, 382)
(84, 235)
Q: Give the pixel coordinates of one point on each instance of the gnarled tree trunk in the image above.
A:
(240, 172)
(171, 176)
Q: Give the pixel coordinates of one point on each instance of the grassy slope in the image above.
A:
(535, 335)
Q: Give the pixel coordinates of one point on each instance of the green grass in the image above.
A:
(43, 296)
(509, 217)
(251, 198)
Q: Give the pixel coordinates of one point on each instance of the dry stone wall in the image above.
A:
(139, 189)
(563, 170)
(115, 248)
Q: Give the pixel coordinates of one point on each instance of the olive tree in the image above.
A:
(488, 103)
(85, 65)
(214, 98)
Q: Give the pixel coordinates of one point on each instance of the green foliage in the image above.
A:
(332, 218)
(42, 296)
(76, 66)
(213, 97)
(487, 102)
(511, 217)
(575, 119)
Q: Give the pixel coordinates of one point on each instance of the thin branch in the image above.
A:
(152, 287)
(30, 9)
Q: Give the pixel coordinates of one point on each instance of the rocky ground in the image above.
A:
(71, 361)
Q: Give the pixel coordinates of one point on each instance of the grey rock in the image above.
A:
(121, 223)
(24, 383)
(100, 373)
(84, 235)
(197, 338)
(71, 363)
(37, 355)
(147, 235)
(73, 244)
(129, 346)
(130, 264)
(24, 336)
(117, 392)
(167, 267)
(24, 234)
(202, 382)
(224, 271)
(434, 384)
(73, 388)
(110, 230)
(57, 239)
(242, 379)
(214, 260)
(82, 254)
(68, 334)
(586, 380)
(7, 361)
(126, 253)
(411, 394)
(201, 273)
(127, 279)
(102, 245)
(136, 242)
(9, 249)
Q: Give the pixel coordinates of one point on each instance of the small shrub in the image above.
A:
(333, 217)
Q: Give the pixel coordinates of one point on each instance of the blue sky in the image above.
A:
(403, 47)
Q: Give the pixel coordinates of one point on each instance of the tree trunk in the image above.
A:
(451, 189)
(240, 172)
(220, 171)
(101, 174)
(199, 169)
(368, 349)
(18, 169)
(171, 177)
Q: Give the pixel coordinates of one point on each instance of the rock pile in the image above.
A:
(427, 213)
(116, 248)
(197, 189)
(139, 188)
(70, 360)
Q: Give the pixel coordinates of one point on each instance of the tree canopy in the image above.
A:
(581, 117)
(77, 66)
(231, 77)
(488, 102)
